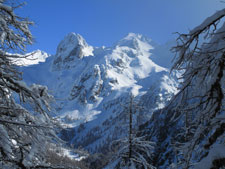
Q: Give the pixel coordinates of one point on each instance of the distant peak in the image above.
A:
(71, 42)
(75, 39)
(72, 34)
(75, 35)
(31, 58)
(131, 36)
(133, 40)
(73, 47)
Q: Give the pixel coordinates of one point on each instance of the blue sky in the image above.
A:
(103, 22)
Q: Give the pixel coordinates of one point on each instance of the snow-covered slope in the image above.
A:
(32, 58)
(91, 84)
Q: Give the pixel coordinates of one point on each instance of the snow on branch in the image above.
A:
(24, 133)
(14, 30)
(188, 44)
(200, 54)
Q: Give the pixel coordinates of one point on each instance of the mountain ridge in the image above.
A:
(89, 84)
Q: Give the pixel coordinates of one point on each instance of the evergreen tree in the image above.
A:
(134, 152)
(24, 133)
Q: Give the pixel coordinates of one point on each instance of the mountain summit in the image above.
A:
(73, 47)
(136, 41)
(91, 83)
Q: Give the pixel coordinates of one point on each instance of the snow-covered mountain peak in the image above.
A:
(73, 39)
(90, 89)
(136, 41)
(31, 58)
(130, 60)
(72, 48)
(132, 36)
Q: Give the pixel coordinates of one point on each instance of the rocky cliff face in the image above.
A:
(69, 51)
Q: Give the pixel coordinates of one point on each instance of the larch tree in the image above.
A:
(201, 58)
(133, 152)
(23, 133)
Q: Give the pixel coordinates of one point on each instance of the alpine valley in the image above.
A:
(92, 86)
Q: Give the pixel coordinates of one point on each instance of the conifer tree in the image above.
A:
(25, 128)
